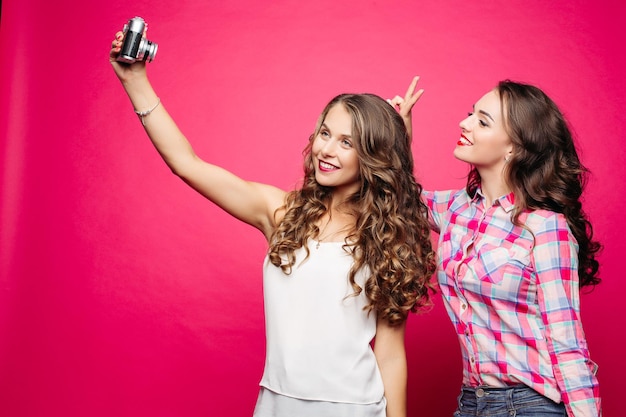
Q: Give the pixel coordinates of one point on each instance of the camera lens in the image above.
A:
(147, 50)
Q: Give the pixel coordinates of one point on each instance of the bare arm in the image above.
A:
(405, 104)
(391, 357)
(250, 202)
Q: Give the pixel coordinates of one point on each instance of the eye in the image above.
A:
(346, 143)
(483, 123)
(324, 133)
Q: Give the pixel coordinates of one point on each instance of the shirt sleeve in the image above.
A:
(438, 203)
(556, 265)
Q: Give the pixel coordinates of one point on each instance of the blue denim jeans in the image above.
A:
(518, 401)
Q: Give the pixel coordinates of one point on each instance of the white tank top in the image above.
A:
(318, 335)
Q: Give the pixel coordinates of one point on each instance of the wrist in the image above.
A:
(135, 81)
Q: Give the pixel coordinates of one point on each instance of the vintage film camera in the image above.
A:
(135, 46)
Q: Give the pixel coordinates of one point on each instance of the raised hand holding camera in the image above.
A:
(130, 51)
(136, 47)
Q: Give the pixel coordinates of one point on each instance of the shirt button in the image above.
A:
(472, 360)
(463, 306)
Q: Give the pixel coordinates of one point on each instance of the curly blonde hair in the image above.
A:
(391, 235)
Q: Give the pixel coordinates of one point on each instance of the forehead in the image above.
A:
(491, 104)
(338, 120)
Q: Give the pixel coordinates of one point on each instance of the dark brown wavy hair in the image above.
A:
(544, 171)
(391, 235)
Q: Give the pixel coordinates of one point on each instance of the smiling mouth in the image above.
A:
(463, 141)
(325, 166)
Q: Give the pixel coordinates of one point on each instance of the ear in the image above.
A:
(509, 153)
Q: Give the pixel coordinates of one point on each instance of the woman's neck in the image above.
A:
(335, 225)
(493, 187)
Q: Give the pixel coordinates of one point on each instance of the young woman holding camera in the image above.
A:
(349, 252)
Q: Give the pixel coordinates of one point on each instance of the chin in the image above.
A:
(458, 154)
(321, 181)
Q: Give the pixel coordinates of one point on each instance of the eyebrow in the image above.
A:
(484, 113)
(343, 135)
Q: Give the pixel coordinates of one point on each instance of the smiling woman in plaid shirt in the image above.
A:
(514, 248)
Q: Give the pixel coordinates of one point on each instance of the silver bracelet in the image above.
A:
(143, 114)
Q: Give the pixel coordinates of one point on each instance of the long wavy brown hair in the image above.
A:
(544, 170)
(391, 235)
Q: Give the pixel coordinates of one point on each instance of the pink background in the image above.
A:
(123, 293)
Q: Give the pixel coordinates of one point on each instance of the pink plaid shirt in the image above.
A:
(514, 300)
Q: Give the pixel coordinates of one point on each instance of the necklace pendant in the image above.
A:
(317, 246)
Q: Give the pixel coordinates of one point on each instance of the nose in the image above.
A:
(329, 147)
(465, 123)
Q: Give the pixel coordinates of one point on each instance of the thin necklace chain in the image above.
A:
(321, 239)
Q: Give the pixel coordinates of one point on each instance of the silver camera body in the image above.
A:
(135, 46)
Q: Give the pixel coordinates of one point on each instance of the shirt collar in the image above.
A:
(507, 201)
